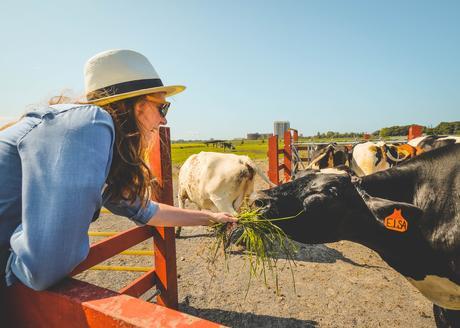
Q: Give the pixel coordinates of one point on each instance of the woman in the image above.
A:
(61, 163)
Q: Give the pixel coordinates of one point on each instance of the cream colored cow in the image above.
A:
(216, 181)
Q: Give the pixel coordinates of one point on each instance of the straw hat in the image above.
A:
(119, 74)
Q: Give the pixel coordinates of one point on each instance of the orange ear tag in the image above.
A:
(396, 222)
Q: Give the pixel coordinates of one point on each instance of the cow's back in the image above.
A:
(430, 142)
(208, 174)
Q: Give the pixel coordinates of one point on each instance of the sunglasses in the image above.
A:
(163, 107)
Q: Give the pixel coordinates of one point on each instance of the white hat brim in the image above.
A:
(169, 91)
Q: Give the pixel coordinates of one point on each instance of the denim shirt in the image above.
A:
(53, 166)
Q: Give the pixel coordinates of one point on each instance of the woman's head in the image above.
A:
(125, 84)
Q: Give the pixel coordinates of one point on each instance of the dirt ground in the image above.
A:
(340, 284)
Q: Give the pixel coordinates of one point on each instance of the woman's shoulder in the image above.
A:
(69, 119)
(80, 110)
(79, 115)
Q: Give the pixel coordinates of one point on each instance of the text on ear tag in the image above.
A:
(396, 222)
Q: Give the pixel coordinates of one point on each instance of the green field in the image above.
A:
(255, 149)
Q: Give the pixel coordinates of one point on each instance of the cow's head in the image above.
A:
(330, 156)
(328, 208)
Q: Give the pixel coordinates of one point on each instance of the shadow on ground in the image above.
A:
(321, 253)
(237, 319)
(314, 253)
(318, 253)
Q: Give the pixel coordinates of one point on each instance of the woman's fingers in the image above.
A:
(224, 217)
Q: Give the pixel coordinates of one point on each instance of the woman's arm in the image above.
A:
(170, 216)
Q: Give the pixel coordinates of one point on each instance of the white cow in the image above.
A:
(216, 181)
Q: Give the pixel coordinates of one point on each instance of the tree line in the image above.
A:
(396, 130)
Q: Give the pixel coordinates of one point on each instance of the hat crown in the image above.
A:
(116, 66)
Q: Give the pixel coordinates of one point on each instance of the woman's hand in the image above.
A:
(222, 217)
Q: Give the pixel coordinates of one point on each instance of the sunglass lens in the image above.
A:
(164, 109)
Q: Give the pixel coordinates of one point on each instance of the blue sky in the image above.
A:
(322, 65)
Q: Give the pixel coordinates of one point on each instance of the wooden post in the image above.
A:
(164, 242)
(414, 132)
(273, 171)
(287, 155)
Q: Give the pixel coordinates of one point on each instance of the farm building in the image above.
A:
(256, 135)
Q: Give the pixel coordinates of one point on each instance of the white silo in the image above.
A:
(279, 127)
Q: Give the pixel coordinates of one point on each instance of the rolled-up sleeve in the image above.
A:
(133, 211)
(65, 161)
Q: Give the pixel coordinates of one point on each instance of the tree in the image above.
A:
(384, 132)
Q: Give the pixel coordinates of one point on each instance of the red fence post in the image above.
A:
(287, 155)
(414, 132)
(273, 171)
(164, 243)
(295, 135)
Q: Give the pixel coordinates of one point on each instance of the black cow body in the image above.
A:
(424, 245)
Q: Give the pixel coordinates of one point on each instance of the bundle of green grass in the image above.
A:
(264, 243)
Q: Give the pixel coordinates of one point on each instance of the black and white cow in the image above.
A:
(370, 157)
(427, 143)
(409, 214)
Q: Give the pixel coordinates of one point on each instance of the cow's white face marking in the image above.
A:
(441, 291)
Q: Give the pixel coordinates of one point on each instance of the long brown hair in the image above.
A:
(129, 175)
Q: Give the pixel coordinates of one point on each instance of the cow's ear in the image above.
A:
(384, 208)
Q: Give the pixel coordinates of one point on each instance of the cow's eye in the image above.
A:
(259, 203)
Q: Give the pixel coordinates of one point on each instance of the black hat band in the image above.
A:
(124, 87)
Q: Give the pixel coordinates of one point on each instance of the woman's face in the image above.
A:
(148, 113)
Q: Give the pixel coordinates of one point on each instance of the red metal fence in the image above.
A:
(291, 137)
(274, 167)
